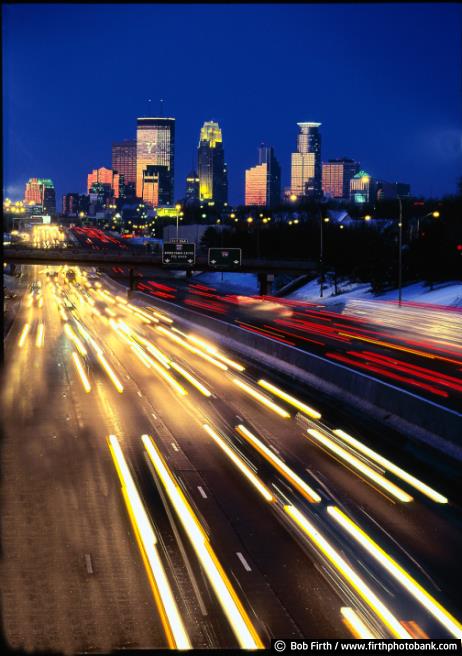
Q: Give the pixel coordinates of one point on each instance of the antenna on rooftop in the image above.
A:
(161, 106)
(149, 106)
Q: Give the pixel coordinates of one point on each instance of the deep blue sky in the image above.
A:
(383, 79)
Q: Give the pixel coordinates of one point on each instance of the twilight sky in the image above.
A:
(383, 79)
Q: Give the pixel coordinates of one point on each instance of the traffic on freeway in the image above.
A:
(171, 493)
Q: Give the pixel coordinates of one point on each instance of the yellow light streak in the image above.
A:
(109, 312)
(171, 619)
(348, 573)
(358, 464)
(157, 353)
(386, 464)
(162, 317)
(262, 399)
(141, 355)
(110, 372)
(282, 468)
(202, 389)
(397, 347)
(191, 348)
(73, 337)
(290, 399)
(138, 311)
(400, 574)
(232, 607)
(122, 300)
(166, 376)
(40, 338)
(22, 337)
(240, 464)
(355, 624)
(215, 352)
(81, 372)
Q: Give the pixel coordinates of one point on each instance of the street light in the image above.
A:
(435, 215)
(321, 255)
(368, 217)
(178, 208)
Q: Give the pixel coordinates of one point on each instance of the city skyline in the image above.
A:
(377, 125)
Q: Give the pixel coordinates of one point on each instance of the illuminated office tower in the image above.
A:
(155, 144)
(213, 176)
(263, 182)
(155, 186)
(306, 172)
(41, 191)
(124, 160)
(104, 176)
(336, 176)
(124, 163)
(362, 188)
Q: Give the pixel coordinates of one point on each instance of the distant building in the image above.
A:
(106, 177)
(306, 170)
(336, 176)
(362, 188)
(41, 192)
(263, 182)
(71, 204)
(392, 190)
(155, 145)
(212, 170)
(124, 160)
(192, 189)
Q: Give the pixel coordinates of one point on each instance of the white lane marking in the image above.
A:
(201, 490)
(174, 446)
(88, 564)
(243, 561)
(153, 415)
(140, 395)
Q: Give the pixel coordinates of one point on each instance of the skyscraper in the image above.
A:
(336, 176)
(213, 175)
(155, 144)
(41, 191)
(263, 182)
(124, 159)
(306, 173)
(71, 204)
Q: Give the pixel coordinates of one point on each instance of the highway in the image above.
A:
(160, 491)
(416, 347)
(163, 492)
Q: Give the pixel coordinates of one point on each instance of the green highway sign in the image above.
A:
(225, 257)
(178, 253)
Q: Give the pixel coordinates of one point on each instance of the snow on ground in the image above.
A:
(228, 282)
(448, 294)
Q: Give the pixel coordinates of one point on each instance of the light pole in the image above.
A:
(321, 256)
(400, 251)
(400, 245)
(178, 208)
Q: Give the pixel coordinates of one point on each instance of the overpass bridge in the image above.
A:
(78, 256)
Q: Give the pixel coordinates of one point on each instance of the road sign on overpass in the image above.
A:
(225, 257)
(175, 253)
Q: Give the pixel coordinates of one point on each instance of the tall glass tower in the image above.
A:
(155, 145)
(213, 176)
(306, 170)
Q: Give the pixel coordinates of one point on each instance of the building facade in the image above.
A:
(336, 176)
(263, 182)
(192, 189)
(306, 170)
(212, 170)
(362, 188)
(105, 176)
(155, 146)
(71, 203)
(124, 160)
(41, 192)
(392, 190)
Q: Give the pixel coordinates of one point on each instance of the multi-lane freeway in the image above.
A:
(161, 491)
